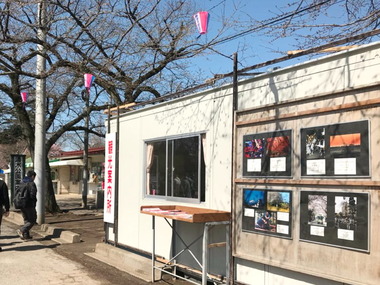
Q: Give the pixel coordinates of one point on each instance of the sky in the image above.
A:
(252, 48)
(256, 48)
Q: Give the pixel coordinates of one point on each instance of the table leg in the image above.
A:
(153, 248)
(205, 254)
(228, 248)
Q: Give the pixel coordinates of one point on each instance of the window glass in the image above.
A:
(96, 172)
(185, 157)
(75, 172)
(54, 174)
(170, 178)
(176, 168)
(97, 168)
(156, 168)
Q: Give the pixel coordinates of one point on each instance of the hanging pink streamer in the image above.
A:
(24, 97)
(88, 80)
(201, 20)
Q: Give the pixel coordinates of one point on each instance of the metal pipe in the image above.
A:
(235, 83)
(235, 91)
(205, 254)
(228, 249)
(116, 212)
(153, 247)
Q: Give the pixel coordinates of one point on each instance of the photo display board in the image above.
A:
(267, 212)
(335, 218)
(267, 154)
(335, 150)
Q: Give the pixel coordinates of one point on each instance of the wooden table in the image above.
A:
(190, 215)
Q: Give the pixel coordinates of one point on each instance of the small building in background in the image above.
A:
(67, 171)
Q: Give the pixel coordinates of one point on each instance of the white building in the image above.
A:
(67, 171)
(196, 151)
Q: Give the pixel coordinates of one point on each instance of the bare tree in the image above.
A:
(309, 23)
(132, 47)
(11, 142)
(137, 50)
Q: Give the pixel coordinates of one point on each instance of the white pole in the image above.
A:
(205, 253)
(39, 147)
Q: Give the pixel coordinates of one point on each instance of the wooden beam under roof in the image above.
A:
(331, 49)
(124, 107)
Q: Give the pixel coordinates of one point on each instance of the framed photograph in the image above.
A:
(267, 212)
(335, 218)
(267, 154)
(336, 150)
(317, 210)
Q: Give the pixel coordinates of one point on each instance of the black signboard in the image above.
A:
(335, 218)
(17, 171)
(267, 212)
(267, 154)
(336, 150)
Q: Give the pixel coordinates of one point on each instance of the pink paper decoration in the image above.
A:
(24, 97)
(88, 80)
(201, 20)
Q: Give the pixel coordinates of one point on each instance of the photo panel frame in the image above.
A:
(337, 150)
(267, 154)
(335, 218)
(267, 212)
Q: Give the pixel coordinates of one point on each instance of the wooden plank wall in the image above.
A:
(331, 262)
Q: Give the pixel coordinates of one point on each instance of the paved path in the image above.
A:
(33, 263)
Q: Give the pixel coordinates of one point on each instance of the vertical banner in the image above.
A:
(17, 171)
(110, 176)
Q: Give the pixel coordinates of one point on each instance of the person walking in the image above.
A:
(4, 202)
(29, 211)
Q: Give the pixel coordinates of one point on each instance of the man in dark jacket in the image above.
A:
(29, 212)
(4, 202)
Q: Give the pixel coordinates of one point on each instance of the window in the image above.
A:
(97, 169)
(175, 168)
(75, 173)
(54, 174)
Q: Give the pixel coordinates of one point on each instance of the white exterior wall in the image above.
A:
(63, 180)
(260, 274)
(207, 112)
(348, 69)
(210, 112)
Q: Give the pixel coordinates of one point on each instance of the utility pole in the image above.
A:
(86, 98)
(88, 80)
(39, 146)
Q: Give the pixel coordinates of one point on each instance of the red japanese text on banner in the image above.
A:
(109, 181)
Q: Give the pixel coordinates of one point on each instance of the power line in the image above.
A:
(304, 52)
(210, 82)
(273, 21)
(216, 5)
(298, 12)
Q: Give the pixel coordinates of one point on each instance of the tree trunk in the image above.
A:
(51, 205)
